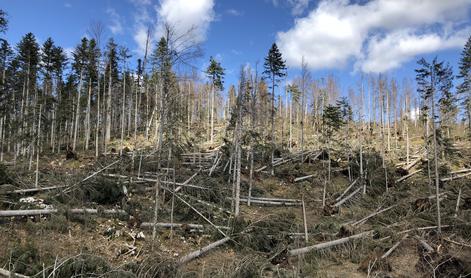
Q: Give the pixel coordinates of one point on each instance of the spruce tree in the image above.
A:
(215, 73)
(433, 79)
(274, 70)
(3, 21)
(464, 88)
(332, 121)
(111, 72)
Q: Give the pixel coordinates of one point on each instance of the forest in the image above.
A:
(114, 165)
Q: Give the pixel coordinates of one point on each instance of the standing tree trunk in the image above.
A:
(435, 157)
(38, 147)
(212, 113)
(87, 116)
(77, 111)
(108, 110)
(273, 125)
(123, 114)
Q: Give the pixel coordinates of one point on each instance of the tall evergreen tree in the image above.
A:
(464, 88)
(111, 72)
(434, 80)
(332, 121)
(274, 69)
(215, 73)
(3, 21)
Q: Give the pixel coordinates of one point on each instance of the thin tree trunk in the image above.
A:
(77, 111)
(435, 156)
(38, 147)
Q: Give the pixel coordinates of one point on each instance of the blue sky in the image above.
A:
(341, 37)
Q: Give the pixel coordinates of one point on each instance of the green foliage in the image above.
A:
(5, 176)
(274, 65)
(216, 73)
(87, 265)
(268, 235)
(3, 21)
(332, 120)
(25, 259)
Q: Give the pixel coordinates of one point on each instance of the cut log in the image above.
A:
(186, 182)
(6, 273)
(199, 252)
(33, 212)
(363, 220)
(346, 190)
(347, 198)
(273, 203)
(177, 225)
(412, 164)
(385, 255)
(303, 178)
(455, 177)
(424, 244)
(273, 199)
(299, 251)
(409, 175)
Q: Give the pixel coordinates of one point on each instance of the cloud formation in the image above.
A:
(184, 16)
(339, 31)
(116, 27)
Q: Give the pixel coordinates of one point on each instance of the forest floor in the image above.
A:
(66, 244)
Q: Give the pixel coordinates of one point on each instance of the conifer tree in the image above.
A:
(215, 73)
(3, 21)
(331, 123)
(464, 88)
(433, 79)
(275, 69)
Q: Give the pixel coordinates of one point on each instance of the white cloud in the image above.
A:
(69, 52)
(185, 16)
(338, 31)
(141, 2)
(389, 52)
(142, 22)
(297, 6)
(190, 18)
(234, 12)
(140, 37)
(116, 27)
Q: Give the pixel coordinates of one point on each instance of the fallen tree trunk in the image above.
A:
(455, 177)
(347, 198)
(34, 190)
(273, 199)
(6, 273)
(303, 178)
(346, 190)
(33, 212)
(385, 255)
(197, 253)
(154, 180)
(177, 225)
(361, 221)
(273, 203)
(424, 244)
(303, 250)
(409, 175)
(412, 164)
